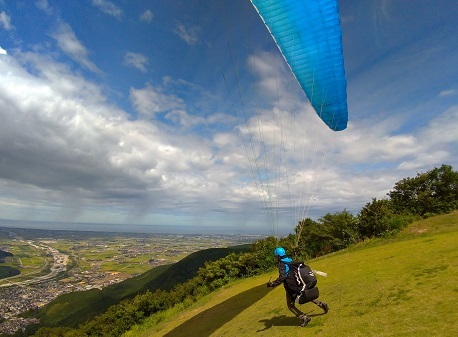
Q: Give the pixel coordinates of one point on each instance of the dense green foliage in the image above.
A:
(433, 192)
(4, 254)
(7, 271)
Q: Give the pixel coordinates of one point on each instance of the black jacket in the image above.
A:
(286, 276)
(293, 280)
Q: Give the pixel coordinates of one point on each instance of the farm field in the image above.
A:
(101, 258)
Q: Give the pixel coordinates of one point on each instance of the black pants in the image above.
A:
(291, 303)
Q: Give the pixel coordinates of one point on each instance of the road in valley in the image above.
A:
(58, 265)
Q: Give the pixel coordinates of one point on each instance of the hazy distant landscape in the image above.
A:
(50, 263)
(130, 228)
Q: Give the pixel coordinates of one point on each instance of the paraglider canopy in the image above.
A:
(309, 37)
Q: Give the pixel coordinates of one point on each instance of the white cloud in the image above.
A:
(108, 8)
(44, 6)
(136, 60)
(54, 133)
(188, 34)
(274, 80)
(147, 16)
(64, 147)
(3, 51)
(150, 101)
(70, 45)
(5, 21)
(348, 168)
(449, 92)
(442, 129)
(181, 117)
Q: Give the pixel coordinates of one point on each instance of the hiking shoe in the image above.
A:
(304, 320)
(324, 306)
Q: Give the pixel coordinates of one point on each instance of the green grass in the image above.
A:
(405, 287)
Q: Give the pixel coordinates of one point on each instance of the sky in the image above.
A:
(183, 113)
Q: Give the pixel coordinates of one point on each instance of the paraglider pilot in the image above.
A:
(299, 282)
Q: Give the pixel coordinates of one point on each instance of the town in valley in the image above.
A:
(48, 263)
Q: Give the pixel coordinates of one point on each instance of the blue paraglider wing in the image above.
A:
(308, 35)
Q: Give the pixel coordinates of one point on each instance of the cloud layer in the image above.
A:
(126, 137)
(77, 152)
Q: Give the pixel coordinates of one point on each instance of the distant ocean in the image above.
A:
(125, 228)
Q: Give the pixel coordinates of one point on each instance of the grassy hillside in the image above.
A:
(407, 286)
(74, 308)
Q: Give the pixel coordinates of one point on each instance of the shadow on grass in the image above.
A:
(278, 321)
(208, 321)
(283, 320)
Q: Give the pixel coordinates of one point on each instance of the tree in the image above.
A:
(263, 250)
(433, 192)
(314, 239)
(377, 218)
(342, 227)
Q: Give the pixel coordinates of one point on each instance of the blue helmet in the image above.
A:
(279, 251)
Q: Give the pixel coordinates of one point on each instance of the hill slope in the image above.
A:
(74, 308)
(405, 287)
